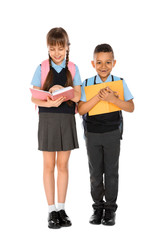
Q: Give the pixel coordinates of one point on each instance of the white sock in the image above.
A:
(61, 206)
(51, 208)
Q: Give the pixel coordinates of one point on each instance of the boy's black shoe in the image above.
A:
(64, 219)
(97, 216)
(108, 218)
(53, 220)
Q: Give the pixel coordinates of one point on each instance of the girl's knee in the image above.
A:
(62, 167)
(49, 167)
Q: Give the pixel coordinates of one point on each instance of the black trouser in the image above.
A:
(103, 153)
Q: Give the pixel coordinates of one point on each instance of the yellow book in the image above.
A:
(104, 106)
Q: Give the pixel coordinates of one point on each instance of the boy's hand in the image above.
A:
(54, 88)
(56, 103)
(106, 94)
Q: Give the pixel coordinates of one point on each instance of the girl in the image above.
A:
(57, 128)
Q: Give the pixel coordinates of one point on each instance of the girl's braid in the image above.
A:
(49, 78)
(67, 59)
(50, 65)
(69, 76)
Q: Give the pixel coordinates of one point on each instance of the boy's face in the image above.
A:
(103, 64)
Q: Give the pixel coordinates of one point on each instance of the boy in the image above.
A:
(102, 135)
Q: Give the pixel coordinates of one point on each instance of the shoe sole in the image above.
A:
(95, 223)
(68, 225)
(54, 227)
(108, 224)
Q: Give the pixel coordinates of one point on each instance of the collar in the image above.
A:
(62, 65)
(98, 79)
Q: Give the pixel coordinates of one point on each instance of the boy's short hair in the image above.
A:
(103, 48)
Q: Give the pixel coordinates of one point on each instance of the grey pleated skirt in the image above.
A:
(57, 132)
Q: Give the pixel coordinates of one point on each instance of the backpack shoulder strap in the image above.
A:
(44, 71)
(72, 69)
(120, 115)
(86, 81)
(112, 78)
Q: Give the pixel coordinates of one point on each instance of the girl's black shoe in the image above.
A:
(53, 220)
(64, 219)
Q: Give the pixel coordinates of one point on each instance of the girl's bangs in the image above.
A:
(56, 41)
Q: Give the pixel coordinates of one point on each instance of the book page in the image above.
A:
(61, 90)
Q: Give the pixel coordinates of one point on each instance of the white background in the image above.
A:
(131, 27)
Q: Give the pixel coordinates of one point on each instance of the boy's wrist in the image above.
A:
(97, 98)
(114, 100)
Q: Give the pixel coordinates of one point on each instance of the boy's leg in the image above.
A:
(96, 167)
(111, 162)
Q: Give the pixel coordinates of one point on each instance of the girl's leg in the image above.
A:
(62, 178)
(48, 176)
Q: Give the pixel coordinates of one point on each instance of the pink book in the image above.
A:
(67, 92)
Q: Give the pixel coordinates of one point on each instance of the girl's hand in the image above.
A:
(106, 94)
(54, 88)
(56, 103)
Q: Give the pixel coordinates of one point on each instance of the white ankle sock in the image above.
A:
(61, 206)
(51, 208)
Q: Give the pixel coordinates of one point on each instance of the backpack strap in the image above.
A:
(112, 78)
(86, 81)
(120, 115)
(121, 121)
(72, 69)
(45, 70)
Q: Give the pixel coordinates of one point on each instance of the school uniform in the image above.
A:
(57, 125)
(102, 135)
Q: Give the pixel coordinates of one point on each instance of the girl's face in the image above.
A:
(57, 53)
